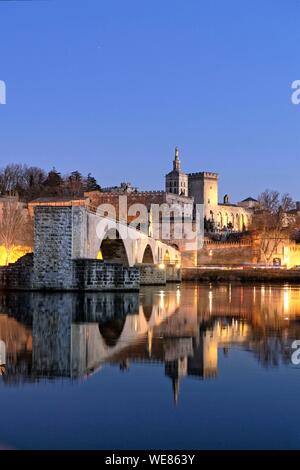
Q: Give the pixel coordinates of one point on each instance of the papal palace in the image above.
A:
(185, 189)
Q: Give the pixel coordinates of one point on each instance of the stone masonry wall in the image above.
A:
(90, 274)
(173, 273)
(151, 274)
(228, 254)
(53, 248)
(18, 275)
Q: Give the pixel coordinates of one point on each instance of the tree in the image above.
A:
(209, 225)
(54, 179)
(15, 226)
(22, 180)
(11, 178)
(74, 184)
(271, 223)
(34, 177)
(91, 183)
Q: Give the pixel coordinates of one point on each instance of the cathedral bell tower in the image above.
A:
(177, 180)
(176, 161)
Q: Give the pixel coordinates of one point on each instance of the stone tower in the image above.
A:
(177, 180)
(203, 187)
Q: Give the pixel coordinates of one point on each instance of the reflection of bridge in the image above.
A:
(2, 353)
(73, 335)
(70, 242)
(185, 329)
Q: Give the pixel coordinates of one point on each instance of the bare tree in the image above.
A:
(11, 177)
(271, 223)
(32, 182)
(34, 177)
(15, 227)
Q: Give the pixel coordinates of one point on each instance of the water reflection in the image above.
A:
(184, 328)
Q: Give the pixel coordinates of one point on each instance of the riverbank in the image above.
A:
(199, 274)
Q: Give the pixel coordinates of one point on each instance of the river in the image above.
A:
(188, 366)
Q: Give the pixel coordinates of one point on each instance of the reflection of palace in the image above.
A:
(72, 335)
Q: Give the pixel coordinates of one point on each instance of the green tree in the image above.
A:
(53, 179)
(75, 183)
(91, 183)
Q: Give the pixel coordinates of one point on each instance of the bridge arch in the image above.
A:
(136, 244)
(112, 330)
(114, 249)
(175, 246)
(2, 353)
(148, 311)
(148, 256)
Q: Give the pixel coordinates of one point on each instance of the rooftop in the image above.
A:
(249, 199)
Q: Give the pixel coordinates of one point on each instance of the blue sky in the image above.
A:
(111, 86)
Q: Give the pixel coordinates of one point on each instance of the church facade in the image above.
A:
(203, 188)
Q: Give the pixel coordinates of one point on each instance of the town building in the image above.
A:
(249, 203)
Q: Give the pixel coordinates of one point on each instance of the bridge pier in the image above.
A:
(173, 273)
(152, 275)
(159, 274)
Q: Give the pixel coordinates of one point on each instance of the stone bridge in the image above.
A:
(75, 249)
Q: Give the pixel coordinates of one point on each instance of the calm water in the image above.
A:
(190, 366)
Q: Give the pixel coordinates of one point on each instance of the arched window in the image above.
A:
(226, 221)
(220, 220)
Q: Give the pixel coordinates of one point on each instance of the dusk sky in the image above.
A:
(112, 86)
